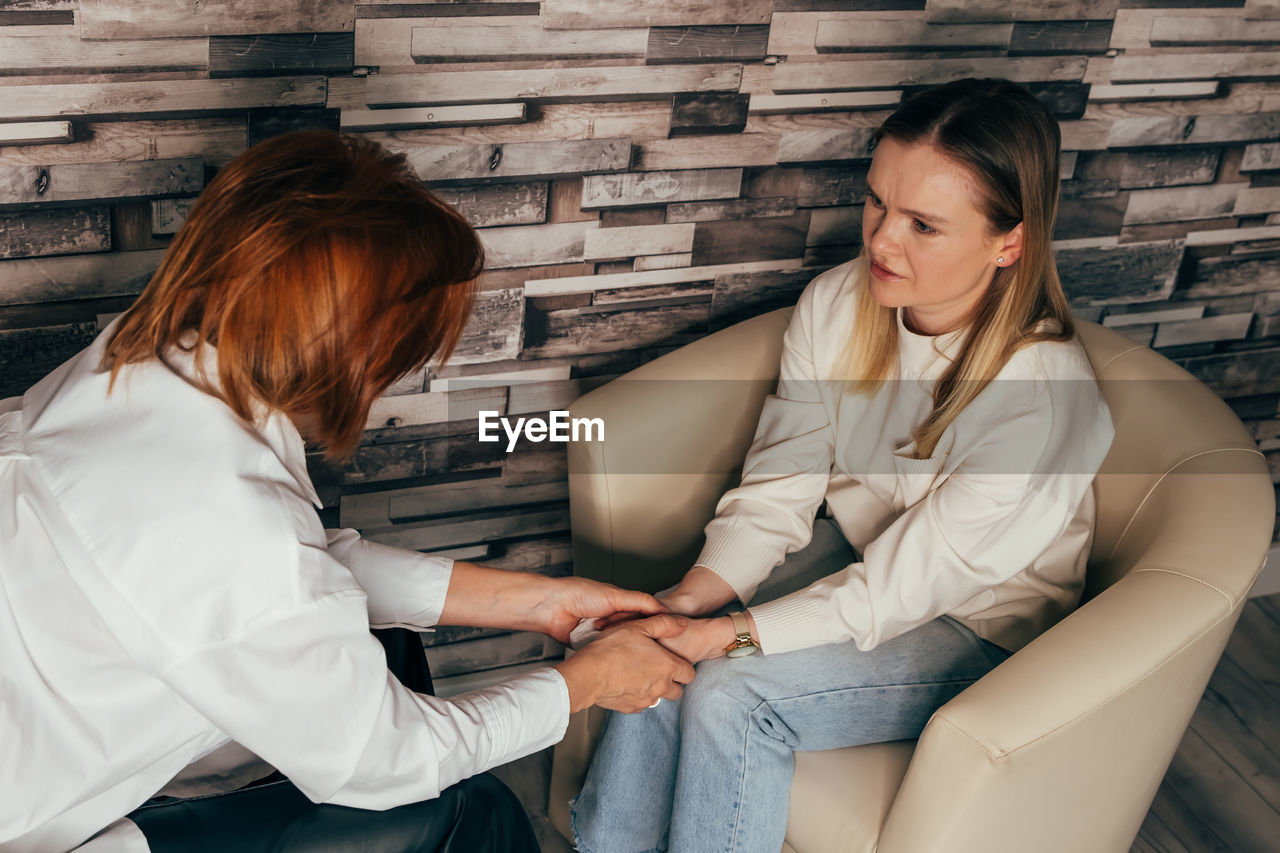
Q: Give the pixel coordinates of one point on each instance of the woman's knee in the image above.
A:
(719, 686)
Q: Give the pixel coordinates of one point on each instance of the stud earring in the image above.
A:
(1000, 260)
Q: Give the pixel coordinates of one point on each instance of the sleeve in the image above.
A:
(310, 693)
(785, 473)
(404, 588)
(1002, 506)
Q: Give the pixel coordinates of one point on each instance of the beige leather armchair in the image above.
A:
(1060, 748)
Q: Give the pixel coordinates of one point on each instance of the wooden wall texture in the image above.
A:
(643, 172)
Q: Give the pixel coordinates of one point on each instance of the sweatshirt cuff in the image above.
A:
(735, 554)
(794, 622)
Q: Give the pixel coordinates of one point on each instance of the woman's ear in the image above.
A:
(1011, 248)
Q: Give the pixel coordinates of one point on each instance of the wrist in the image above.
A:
(580, 682)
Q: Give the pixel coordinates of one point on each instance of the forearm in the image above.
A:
(481, 597)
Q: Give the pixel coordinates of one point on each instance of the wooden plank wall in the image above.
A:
(643, 174)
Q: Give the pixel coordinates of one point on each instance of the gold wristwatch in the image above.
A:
(743, 645)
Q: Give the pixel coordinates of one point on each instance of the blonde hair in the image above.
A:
(1008, 141)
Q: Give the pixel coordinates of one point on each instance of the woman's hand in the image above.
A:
(703, 639)
(701, 591)
(570, 600)
(626, 669)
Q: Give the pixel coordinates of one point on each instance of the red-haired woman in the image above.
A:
(174, 618)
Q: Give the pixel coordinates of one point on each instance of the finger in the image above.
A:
(683, 671)
(664, 625)
(637, 602)
(674, 692)
(617, 619)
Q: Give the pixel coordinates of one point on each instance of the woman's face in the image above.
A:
(929, 248)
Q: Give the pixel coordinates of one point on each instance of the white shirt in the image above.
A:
(167, 593)
(994, 529)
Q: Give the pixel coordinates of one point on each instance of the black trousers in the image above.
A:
(477, 815)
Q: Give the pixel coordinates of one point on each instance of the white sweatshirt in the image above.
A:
(994, 529)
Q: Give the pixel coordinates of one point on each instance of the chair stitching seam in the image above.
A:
(1118, 355)
(1156, 485)
(1201, 581)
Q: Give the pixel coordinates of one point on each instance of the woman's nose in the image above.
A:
(881, 239)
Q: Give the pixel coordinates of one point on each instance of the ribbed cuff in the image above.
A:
(796, 621)
(739, 555)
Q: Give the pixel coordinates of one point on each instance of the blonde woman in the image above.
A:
(933, 392)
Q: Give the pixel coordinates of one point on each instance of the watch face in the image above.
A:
(742, 651)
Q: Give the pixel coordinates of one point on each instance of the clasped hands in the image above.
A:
(648, 644)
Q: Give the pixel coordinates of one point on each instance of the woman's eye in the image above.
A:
(875, 202)
(922, 228)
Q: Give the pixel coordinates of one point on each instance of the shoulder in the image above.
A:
(824, 313)
(1050, 387)
(183, 506)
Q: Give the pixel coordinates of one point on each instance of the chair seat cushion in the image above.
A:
(840, 797)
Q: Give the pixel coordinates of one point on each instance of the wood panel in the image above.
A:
(354, 119)
(587, 284)
(493, 331)
(518, 160)
(1103, 270)
(148, 98)
(487, 205)
(707, 44)
(693, 114)
(608, 244)
(750, 240)
(587, 14)
(465, 44)
(554, 85)
(119, 19)
(1041, 37)
(1181, 203)
(648, 188)
(1196, 66)
(59, 50)
(1193, 130)
(35, 133)
(824, 146)
(534, 245)
(995, 10)
(1178, 32)
(707, 152)
(887, 73)
(1107, 92)
(38, 233)
(284, 53)
(1263, 157)
(27, 355)
(72, 183)
(99, 275)
(899, 35)
(823, 102)
(217, 140)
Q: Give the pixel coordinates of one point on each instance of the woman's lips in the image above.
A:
(883, 273)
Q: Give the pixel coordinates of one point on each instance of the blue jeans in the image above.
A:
(711, 772)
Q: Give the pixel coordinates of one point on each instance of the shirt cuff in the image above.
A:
(522, 714)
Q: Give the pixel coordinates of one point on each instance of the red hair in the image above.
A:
(322, 270)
